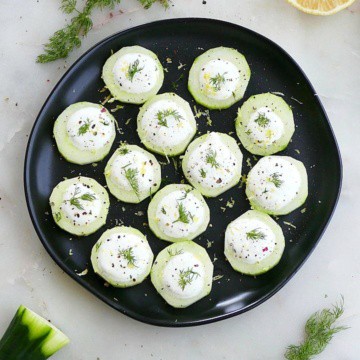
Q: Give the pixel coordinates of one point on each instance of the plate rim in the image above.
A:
(133, 314)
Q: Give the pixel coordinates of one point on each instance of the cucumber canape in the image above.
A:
(133, 74)
(132, 174)
(182, 274)
(265, 124)
(122, 256)
(79, 205)
(212, 163)
(84, 133)
(254, 243)
(277, 185)
(166, 124)
(30, 337)
(218, 78)
(178, 212)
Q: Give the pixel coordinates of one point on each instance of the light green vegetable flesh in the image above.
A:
(30, 337)
(163, 258)
(226, 54)
(97, 247)
(132, 196)
(280, 108)
(113, 85)
(206, 191)
(56, 200)
(153, 207)
(154, 146)
(66, 147)
(269, 262)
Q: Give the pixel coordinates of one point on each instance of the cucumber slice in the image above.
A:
(178, 212)
(133, 74)
(122, 256)
(219, 77)
(277, 185)
(254, 243)
(166, 124)
(132, 174)
(265, 124)
(212, 163)
(79, 205)
(30, 337)
(84, 133)
(182, 274)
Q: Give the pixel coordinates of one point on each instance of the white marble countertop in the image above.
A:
(328, 50)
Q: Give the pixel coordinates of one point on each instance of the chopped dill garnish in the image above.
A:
(57, 216)
(185, 195)
(133, 69)
(202, 173)
(163, 210)
(97, 246)
(128, 255)
(217, 81)
(75, 199)
(211, 159)
(123, 150)
(262, 120)
(186, 277)
(175, 84)
(131, 175)
(255, 234)
(162, 116)
(184, 215)
(275, 179)
(172, 252)
(84, 128)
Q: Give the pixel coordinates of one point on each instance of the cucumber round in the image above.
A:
(219, 77)
(132, 174)
(166, 124)
(79, 205)
(133, 74)
(122, 256)
(212, 163)
(265, 124)
(254, 243)
(277, 185)
(84, 133)
(182, 274)
(178, 212)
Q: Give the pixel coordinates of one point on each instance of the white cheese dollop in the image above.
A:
(90, 128)
(123, 257)
(142, 80)
(166, 131)
(81, 205)
(208, 173)
(264, 130)
(219, 79)
(250, 239)
(274, 181)
(168, 214)
(183, 276)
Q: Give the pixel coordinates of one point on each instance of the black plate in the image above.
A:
(313, 143)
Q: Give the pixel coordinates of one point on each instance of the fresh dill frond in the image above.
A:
(175, 84)
(262, 120)
(68, 6)
(133, 69)
(211, 159)
(184, 215)
(131, 175)
(97, 246)
(84, 128)
(123, 150)
(175, 252)
(57, 216)
(75, 199)
(255, 234)
(319, 331)
(275, 179)
(147, 3)
(187, 191)
(162, 116)
(128, 255)
(217, 81)
(202, 173)
(186, 277)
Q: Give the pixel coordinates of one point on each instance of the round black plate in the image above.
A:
(182, 40)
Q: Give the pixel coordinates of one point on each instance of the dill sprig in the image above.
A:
(175, 84)
(202, 173)
(128, 255)
(75, 199)
(175, 252)
(275, 179)
(84, 128)
(319, 331)
(186, 277)
(262, 120)
(255, 234)
(123, 150)
(184, 215)
(162, 116)
(131, 175)
(65, 40)
(211, 159)
(217, 81)
(133, 69)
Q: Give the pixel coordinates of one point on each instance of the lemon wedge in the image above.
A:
(321, 7)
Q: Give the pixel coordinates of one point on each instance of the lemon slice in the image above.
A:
(321, 7)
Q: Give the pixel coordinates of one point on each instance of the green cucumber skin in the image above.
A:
(17, 345)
